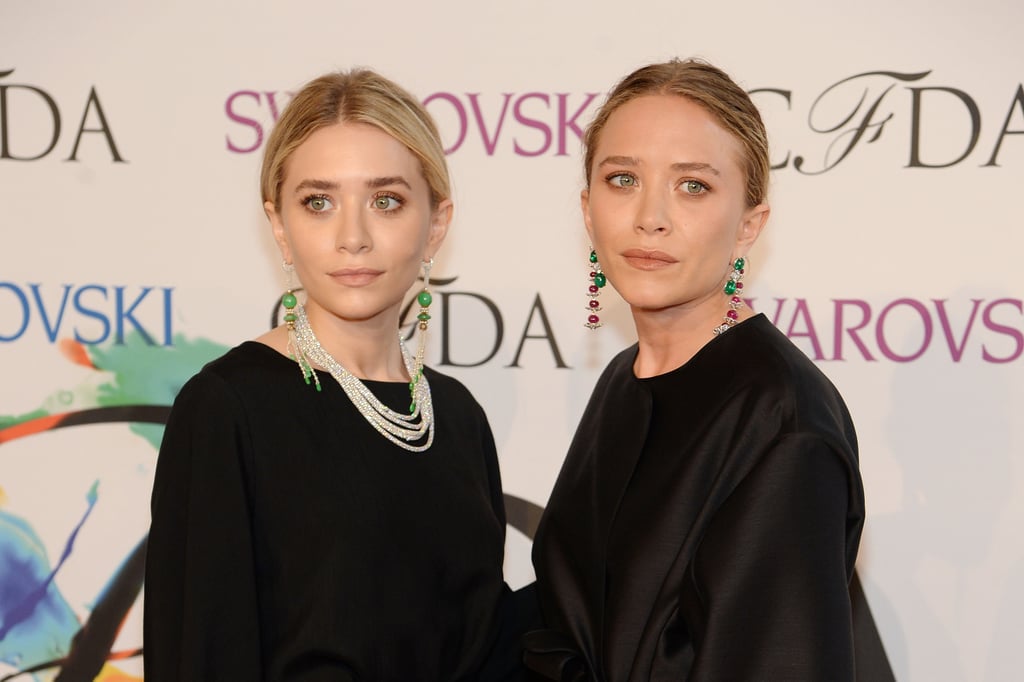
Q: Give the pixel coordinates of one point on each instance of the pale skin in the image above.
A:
(666, 213)
(356, 220)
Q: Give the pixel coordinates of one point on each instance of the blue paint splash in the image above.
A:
(30, 603)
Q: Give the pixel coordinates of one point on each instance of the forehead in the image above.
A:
(352, 149)
(672, 128)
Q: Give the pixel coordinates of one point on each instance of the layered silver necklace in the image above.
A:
(404, 430)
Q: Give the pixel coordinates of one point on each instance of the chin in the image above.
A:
(648, 298)
(355, 310)
(653, 307)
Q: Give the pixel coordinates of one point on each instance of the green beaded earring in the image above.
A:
(598, 280)
(424, 298)
(290, 302)
(733, 288)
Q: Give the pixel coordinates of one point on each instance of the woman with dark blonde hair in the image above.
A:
(706, 520)
(325, 507)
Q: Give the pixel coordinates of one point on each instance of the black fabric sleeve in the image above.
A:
(518, 611)
(771, 573)
(490, 453)
(201, 613)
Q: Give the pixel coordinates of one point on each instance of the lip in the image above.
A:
(644, 259)
(355, 277)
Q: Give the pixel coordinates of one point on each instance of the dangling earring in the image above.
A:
(290, 303)
(733, 288)
(424, 299)
(598, 280)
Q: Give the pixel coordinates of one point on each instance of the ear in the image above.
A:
(754, 220)
(439, 222)
(585, 207)
(277, 226)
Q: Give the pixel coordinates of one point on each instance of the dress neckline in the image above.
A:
(322, 373)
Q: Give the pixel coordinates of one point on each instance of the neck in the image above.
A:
(668, 338)
(366, 348)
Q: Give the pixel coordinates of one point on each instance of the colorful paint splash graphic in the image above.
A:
(41, 637)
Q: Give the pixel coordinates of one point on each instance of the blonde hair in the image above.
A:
(711, 88)
(363, 96)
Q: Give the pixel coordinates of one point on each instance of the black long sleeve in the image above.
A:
(201, 604)
(771, 573)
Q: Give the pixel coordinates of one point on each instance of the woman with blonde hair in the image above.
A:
(706, 520)
(325, 507)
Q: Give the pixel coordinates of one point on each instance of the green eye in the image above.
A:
(386, 202)
(622, 180)
(318, 203)
(694, 187)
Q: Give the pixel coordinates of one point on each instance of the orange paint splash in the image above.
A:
(30, 427)
(75, 352)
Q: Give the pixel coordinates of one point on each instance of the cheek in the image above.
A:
(723, 229)
(605, 217)
(405, 249)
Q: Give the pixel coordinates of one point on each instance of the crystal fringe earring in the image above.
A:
(598, 280)
(289, 302)
(733, 288)
(424, 298)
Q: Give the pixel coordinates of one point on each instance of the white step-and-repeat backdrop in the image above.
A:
(133, 249)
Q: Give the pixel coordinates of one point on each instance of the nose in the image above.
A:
(653, 213)
(352, 232)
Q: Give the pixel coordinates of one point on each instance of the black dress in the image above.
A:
(705, 523)
(291, 541)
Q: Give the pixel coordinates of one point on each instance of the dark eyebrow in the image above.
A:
(330, 185)
(619, 161)
(695, 166)
(322, 185)
(375, 183)
(680, 166)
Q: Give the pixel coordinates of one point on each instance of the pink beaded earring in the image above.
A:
(733, 288)
(597, 281)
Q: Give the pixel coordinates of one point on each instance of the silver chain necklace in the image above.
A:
(401, 429)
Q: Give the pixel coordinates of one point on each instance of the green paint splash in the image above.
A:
(132, 373)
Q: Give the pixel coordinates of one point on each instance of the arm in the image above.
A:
(518, 610)
(772, 574)
(201, 617)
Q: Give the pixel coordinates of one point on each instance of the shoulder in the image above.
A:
(448, 390)
(766, 361)
(621, 364)
(767, 354)
(244, 358)
(786, 404)
(816, 429)
(459, 417)
(232, 375)
(617, 379)
(250, 394)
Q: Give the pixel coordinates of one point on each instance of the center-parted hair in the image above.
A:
(362, 96)
(711, 88)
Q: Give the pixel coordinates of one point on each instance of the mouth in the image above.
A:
(643, 259)
(355, 277)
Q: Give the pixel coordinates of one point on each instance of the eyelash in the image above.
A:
(311, 198)
(704, 188)
(619, 174)
(399, 200)
(307, 201)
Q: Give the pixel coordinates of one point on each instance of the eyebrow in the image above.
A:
(375, 183)
(372, 183)
(678, 166)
